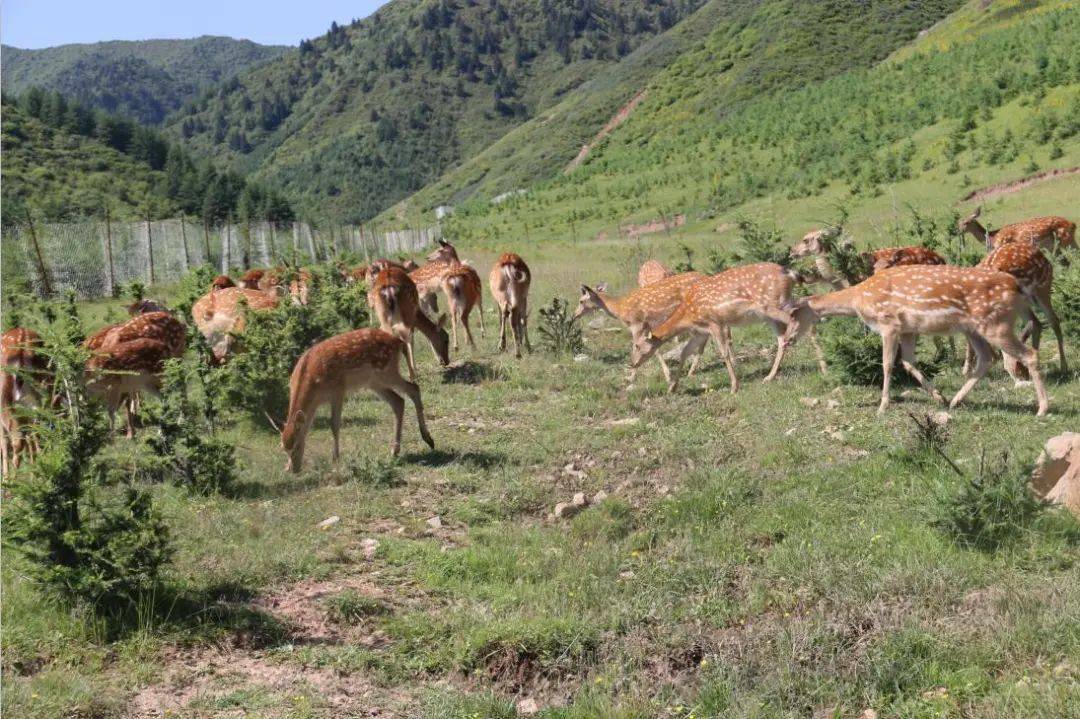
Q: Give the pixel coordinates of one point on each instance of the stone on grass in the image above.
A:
(580, 500)
(599, 497)
(527, 706)
(329, 522)
(368, 547)
(435, 522)
(1056, 477)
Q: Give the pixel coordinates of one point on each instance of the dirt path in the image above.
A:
(617, 119)
(1007, 188)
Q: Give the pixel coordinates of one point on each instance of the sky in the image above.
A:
(44, 23)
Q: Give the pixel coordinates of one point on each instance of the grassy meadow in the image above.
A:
(769, 554)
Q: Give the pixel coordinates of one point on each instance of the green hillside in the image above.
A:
(369, 113)
(144, 80)
(64, 162)
(989, 107)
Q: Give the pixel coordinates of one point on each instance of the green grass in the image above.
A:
(745, 563)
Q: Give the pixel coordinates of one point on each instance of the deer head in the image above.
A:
(145, 306)
(445, 253)
(293, 438)
(590, 300)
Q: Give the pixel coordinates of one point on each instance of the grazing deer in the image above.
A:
(252, 279)
(220, 314)
(23, 365)
(1034, 274)
(127, 358)
(643, 307)
(819, 243)
(904, 302)
(145, 306)
(222, 282)
(336, 367)
(461, 285)
(509, 281)
(397, 305)
(428, 277)
(741, 295)
(652, 271)
(272, 282)
(1047, 233)
(381, 264)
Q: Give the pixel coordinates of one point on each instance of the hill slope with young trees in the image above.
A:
(363, 116)
(144, 80)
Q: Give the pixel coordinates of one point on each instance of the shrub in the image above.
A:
(349, 607)
(374, 472)
(1067, 297)
(559, 334)
(83, 542)
(855, 354)
(760, 244)
(991, 510)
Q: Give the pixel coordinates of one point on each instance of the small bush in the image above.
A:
(991, 510)
(855, 354)
(559, 334)
(758, 243)
(349, 607)
(1067, 297)
(373, 472)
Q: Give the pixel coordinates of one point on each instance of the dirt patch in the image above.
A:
(617, 119)
(303, 609)
(653, 226)
(1007, 188)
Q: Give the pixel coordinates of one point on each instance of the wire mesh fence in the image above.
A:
(95, 259)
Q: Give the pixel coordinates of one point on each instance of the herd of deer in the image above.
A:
(910, 291)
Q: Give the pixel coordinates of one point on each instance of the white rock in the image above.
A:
(810, 401)
(625, 421)
(369, 546)
(329, 522)
(435, 522)
(580, 500)
(833, 404)
(527, 706)
(599, 497)
(940, 418)
(581, 358)
(1057, 475)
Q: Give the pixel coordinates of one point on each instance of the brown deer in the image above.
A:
(461, 284)
(24, 366)
(126, 360)
(397, 306)
(428, 277)
(252, 279)
(904, 302)
(652, 271)
(220, 314)
(330, 370)
(273, 282)
(819, 243)
(1049, 234)
(751, 293)
(222, 282)
(1034, 274)
(644, 307)
(509, 281)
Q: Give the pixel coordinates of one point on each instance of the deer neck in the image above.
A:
(841, 303)
(614, 306)
(978, 232)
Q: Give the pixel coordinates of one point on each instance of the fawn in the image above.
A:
(428, 277)
(461, 285)
(509, 280)
(750, 293)
(397, 305)
(23, 366)
(220, 314)
(336, 367)
(1047, 233)
(652, 271)
(819, 243)
(902, 303)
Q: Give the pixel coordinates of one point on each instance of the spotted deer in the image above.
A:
(509, 281)
(334, 368)
(397, 306)
(222, 282)
(129, 360)
(819, 243)
(1034, 274)
(428, 277)
(644, 307)
(273, 282)
(902, 303)
(220, 314)
(24, 369)
(251, 279)
(652, 271)
(461, 284)
(1049, 234)
(751, 293)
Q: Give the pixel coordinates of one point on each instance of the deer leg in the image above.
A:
(337, 400)
(694, 346)
(721, 334)
(411, 391)
(1042, 298)
(889, 341)
(1004, 339)
(781, 344)
(410, 358)
(480, 311)
(907, 359)
(517, 324)
(983, 357)
(398, 405)
(502, 327)
(454, 324)
(969, 356)
(465, 323)
(524, 309)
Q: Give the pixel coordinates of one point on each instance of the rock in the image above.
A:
(599, 497)
(566, 510)
(868, 714)
(833, 404)
(435, 522)
(329, 522)
(663, 489)
(625, 421)
(368, 547)
(810, 401)
(527, 706)
(572, 470)
(936, 693)
(940, 418)
(1056, 477)
(580, 500)
(581, 358)
(837, 435)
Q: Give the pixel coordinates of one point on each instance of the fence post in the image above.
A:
(226, 255)
(296, 237)
(108, 253)
(150, 249)
(245, 250)
(206, 242)
(183, 241)
(273, 249)
(45, 284)
(311, 243)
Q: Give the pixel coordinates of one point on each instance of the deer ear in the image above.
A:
(585, 290)
(602, 287)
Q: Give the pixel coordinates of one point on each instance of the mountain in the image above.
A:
(790, 101)
(144, 80)
(363, 116)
